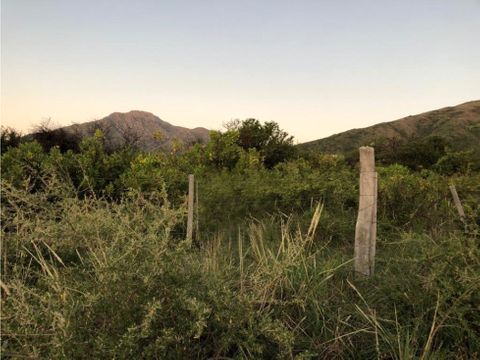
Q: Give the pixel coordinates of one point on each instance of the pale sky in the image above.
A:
(315, 67)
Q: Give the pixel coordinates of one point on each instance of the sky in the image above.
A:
(315, 67)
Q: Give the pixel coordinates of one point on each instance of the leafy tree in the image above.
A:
(423, 153)
(9, 138)
(415, 154)
(223, 149)
(387, 151)
(274, 144)
(48, 137)
(100, 172)
(455, 162)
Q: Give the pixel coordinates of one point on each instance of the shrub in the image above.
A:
(23, 166)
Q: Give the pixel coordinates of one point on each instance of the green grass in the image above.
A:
(90, 278)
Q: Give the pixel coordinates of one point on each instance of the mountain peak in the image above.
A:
(133, 113)
(139, 128)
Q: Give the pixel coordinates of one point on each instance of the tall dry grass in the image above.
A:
(90, 278)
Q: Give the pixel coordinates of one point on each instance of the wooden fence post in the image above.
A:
(366, 228)
(197, 217)
(458, 205)
(191, 182)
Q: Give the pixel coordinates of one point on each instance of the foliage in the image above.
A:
(222, 149)
(9, 138)
(23, 166)
(416, 154)
(90, 278)
(408, 199)
(95, 262)
(456, 162)
(274, 144)
(49, 137)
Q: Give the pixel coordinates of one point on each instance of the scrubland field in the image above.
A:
(96, 265)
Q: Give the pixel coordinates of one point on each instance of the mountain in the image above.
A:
(459, 125)
(140, 129)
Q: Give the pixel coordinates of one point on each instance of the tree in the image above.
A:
(273, 144)
(422, 153)
(9, 137)
(459, 162)
(48, 136)
(223, 150)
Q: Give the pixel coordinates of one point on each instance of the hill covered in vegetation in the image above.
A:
(458, 125)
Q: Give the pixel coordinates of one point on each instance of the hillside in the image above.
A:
(141, 129)
(460, 125)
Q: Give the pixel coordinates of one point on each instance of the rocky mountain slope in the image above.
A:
(140, 129)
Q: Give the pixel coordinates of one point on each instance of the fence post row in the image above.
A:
(366, 227)
(191, 182)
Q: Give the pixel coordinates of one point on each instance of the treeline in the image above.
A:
(93, 165)
(271, 143)
(250, 168)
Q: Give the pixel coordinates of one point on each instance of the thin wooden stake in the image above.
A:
(458, 205)
(4, 288)
(457, 201)
(191, 182)
(197, 218)
(373, 228)
(366, 228)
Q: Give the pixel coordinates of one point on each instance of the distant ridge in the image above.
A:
(460, 125)
(141, 129)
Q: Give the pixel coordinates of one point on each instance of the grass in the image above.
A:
(88, 278)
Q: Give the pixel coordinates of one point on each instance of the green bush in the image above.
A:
(90, 278)
(23, 166)
(413, 200)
